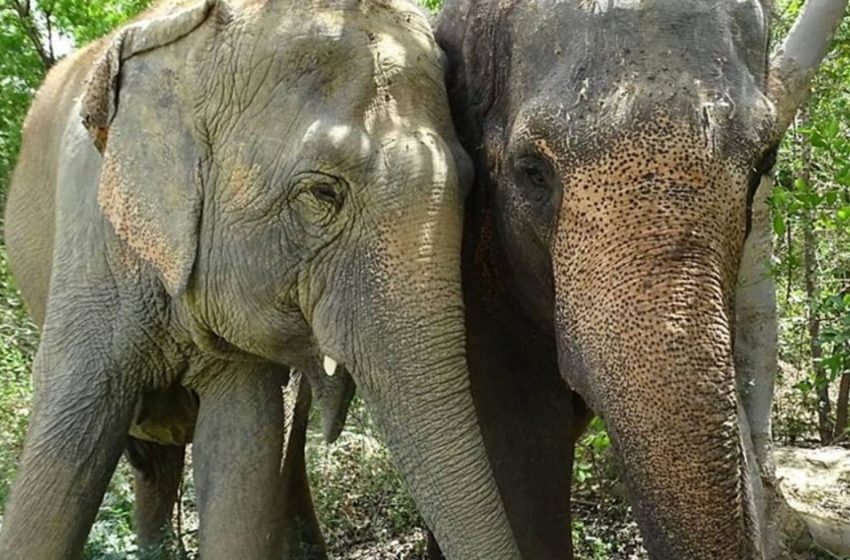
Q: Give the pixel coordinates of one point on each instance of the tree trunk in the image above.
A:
(810, 265)
(756, 366)
(43, 44)
(841, 412)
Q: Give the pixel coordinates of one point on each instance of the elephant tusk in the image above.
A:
(330, 365)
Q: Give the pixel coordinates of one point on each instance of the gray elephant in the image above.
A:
(254, 185)
(621, 151)
(163, 425)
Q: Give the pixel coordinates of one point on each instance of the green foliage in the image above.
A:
(112, 536)
(592, 466)
(432, 5)
(83, 21)
(813, 194)
(19, 76)
(359, 495)
(18, 339)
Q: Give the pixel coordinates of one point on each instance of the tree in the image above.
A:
(812, 221)
(40, 32)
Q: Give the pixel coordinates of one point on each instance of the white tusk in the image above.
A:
(330, 365)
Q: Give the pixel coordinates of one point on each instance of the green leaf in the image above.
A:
(831, 129)
(817, 140)
(831, 197)
(779, 224)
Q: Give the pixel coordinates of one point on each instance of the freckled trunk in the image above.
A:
(674, 421)
(654, 341)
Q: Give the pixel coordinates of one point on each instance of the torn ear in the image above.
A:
(475, 37)
(137, 109)
(100, 100)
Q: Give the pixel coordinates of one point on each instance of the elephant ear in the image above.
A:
(475, 36)
(137, 109)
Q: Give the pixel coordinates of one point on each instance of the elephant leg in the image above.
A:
(237, 454)
(82, 413)
(157, 472)
(432, 547)
(302, 537)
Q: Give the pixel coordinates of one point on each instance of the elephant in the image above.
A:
(622, 155)
(163, 425)
(217, 192)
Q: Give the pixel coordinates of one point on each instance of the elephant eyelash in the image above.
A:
(325, 192)
(536, 175)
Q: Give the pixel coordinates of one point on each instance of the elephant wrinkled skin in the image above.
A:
(620, 150)
(254, 185)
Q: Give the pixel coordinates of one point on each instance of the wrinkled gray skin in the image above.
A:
(258, 184)
(619, 146)
(163, 424)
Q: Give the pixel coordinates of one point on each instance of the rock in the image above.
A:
(816, 483)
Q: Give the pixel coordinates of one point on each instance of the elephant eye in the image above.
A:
(327, 193)
(318, 196)
(535, 175)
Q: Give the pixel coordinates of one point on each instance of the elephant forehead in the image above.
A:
(342, 65)
(337, 135)
(385, 33)
(655, 150)
(599, 6)
(688, 143)
(665, 43)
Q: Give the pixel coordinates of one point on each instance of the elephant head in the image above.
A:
(299, 192)
(618, 147)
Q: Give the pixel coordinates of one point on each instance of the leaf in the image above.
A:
(804, 386)
(816, 140)
(831, 197)
(831, 129)
(779, 224)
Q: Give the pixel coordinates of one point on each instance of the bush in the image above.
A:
(18, 338)
(360, 497)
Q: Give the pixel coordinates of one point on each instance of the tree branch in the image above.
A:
(48, 14)
(27, 21)
(794, 64)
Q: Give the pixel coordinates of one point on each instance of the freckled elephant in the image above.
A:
(619, 149)
(223, 190)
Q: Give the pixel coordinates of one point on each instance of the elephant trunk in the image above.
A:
(408, 358)
(650, 348)
(428, 419)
